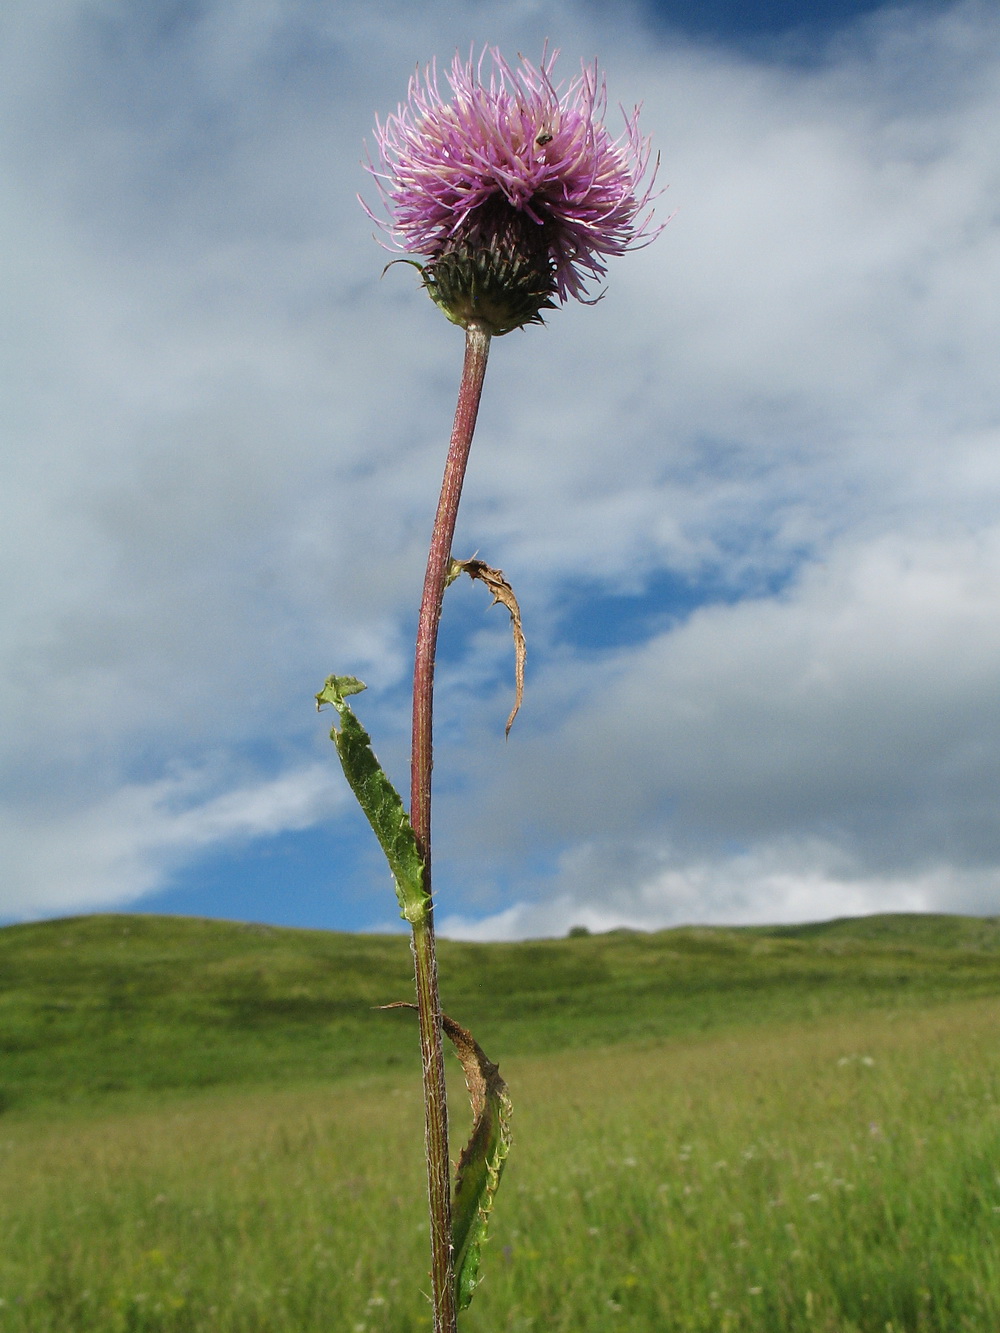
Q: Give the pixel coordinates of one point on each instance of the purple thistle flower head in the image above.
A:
(513, 190)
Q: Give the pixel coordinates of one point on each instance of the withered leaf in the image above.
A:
(502, 592)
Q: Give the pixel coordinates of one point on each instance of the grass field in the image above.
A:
(714, 1130)
(97, 1007)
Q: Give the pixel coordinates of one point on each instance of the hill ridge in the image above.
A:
(127, 1003)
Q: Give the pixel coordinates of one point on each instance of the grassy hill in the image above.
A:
(787, 1130)
(100, 1006)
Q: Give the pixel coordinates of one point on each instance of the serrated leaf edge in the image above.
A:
(381, 803)
(489, 1143)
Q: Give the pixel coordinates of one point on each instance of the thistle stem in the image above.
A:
(477, 346)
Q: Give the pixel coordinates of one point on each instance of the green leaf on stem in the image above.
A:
(482, 1161)
(378, 798)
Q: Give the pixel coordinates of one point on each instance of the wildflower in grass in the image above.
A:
(515, 194)
(514, 190)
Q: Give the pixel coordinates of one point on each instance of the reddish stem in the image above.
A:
(477, 346)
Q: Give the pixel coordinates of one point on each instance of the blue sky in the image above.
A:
(757, 26)
(750, 501)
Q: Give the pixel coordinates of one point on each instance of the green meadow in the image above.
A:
(209, 1128)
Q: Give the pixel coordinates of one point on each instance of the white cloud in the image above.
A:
(765, 889)
(832, 750)
(110, 851)
(225, 437)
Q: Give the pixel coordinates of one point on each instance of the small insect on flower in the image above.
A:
(513, 190)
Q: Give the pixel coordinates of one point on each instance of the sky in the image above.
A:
(750, 501)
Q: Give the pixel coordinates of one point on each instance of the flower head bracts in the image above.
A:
(515, 164)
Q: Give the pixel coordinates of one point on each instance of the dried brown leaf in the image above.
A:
(502, 593)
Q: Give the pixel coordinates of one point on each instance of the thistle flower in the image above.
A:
(513, 190)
